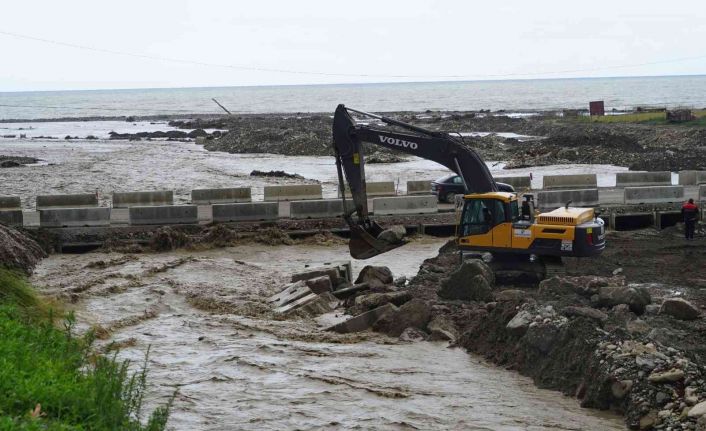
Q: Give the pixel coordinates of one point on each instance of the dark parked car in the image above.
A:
(447, 187)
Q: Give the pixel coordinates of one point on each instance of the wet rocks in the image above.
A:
(680, 309)
(472, 281)
(275, 174)
(18, 251)
(363, 321)
(415, 313)
(393, 234)
(441, 327)
(16, 161)
(412, 335)
(374, 300)
(375, 276)
(635, 297)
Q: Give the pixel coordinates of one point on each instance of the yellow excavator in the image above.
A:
(492, 220)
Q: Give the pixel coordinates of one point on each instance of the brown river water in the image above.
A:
(237, 366)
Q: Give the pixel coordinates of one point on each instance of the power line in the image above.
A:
(338, 74)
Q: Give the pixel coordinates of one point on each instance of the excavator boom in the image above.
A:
(440, 147)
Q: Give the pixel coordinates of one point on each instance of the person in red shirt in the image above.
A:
(690, 212)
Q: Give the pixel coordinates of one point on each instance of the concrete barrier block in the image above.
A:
(519, 183)
(552, 199)
(653, 195)
(633, 179)
(578, 181)
(11, 217)
(165, 215)
(220, 196)
(421, 187)
(293, 192)
(405, 205)
(692, 178)
(323, 208)
(378, 188)
(67, 201)
(74, 217)
(10, 203)
(252, 211)
(143, 199)
(702, 193)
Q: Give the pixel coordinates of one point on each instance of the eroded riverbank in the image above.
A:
(236, 365)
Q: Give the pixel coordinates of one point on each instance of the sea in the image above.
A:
(514, 95)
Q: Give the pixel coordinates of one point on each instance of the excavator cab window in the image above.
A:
(481, 215)
(514, 211)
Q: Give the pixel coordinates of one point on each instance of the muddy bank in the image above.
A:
(612, 342)
(18, 250)
(566, 141)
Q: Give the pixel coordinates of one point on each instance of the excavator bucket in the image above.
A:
(364, 243)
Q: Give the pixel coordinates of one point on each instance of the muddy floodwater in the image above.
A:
(238, 366)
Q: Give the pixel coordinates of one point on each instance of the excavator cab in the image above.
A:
(487, 220)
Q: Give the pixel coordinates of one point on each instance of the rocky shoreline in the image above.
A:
(545, 139)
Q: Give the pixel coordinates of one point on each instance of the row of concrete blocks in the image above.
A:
(232, 212)
(631, 196)
(624, 179)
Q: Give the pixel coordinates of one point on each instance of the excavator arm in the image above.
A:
(440, 147)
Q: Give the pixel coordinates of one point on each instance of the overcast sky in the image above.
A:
(342, 41)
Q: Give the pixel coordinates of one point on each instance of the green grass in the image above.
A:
(51, 380)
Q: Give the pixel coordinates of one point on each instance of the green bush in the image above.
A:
(49, 378)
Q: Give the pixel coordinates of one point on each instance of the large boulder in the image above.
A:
(18, 251)
(635, 297)
(375, 276)
(519, 324)
(393, 235)
(472, 281)
(680, 309)
(415, 314)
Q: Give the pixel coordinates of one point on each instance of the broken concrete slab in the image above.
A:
(290, 293)
(311, 304)
(339, 272)
(363, 321)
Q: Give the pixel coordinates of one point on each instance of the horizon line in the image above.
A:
(355, 83)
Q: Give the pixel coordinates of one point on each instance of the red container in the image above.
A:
(596, 108)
